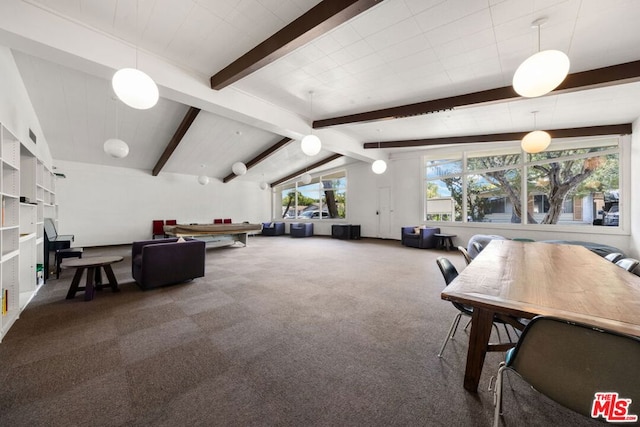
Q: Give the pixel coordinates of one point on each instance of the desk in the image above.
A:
(526, 279)
(94, 278)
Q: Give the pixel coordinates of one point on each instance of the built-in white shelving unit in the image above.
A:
(27, 193)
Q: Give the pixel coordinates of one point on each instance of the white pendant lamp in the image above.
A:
(542, 72)
(305, 178)
(134, 87)
(116, 147)
(535, 141)
(379, 166)
(239, 168)
(203, 179)
(311, 144)
(263, 185)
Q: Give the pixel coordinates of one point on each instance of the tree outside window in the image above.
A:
(564, 185)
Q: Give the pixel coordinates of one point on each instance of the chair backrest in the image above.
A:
(157, 226)
(477, 246)
(50, 229)
(226, 221)
(571, 362)
(465, 254)
(614, 256)
(448, 270)
(171, 222)
(628, 264)
(217, 221)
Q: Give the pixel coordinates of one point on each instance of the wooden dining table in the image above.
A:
(511, 279)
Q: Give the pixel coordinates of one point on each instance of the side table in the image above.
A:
(445, 241)
(94, 278)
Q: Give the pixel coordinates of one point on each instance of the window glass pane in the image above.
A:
(571, 191)
(444, 198)
(440, 168)
(323, 198)
(481, 161)
(494, 196)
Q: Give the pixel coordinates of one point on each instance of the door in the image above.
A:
(384, 213)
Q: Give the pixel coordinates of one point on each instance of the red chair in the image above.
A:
(217, 221)
(171, 222)
(227, 221)
(158, 228)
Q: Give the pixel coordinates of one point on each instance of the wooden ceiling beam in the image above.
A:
(601, 77)
(260, 157)
(320, 19)
(622, 129)
(307, 169)
(176, 139)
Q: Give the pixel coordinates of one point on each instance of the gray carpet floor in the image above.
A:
(283, 332)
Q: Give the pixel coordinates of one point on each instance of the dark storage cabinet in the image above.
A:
(345, 231)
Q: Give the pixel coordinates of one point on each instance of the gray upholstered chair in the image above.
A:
(572, 363)
(614, 256)
(424, 239)
(628, 264)
(272, 228)
(301, 229)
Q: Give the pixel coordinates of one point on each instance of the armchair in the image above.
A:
(424, 239)
(272, 228)
(301, 229)
(165, 261)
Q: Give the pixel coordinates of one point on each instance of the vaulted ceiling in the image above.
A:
(386, 54)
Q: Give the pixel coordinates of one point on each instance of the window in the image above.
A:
(325, 197)
(574, 183)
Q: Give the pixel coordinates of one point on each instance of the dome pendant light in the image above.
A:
(134, 87)
(305, 178)
(311, 144)
(535, 141)
(542, 72)
(116, 147)
(239, 168)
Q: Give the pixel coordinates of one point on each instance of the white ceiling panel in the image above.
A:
(396, 53)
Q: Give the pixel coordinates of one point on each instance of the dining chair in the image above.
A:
(477, 246)
(465, 254)
(581, 367)
(157, 228)
(449, 272)
(614, 257)
(628, 263)
(171, 222)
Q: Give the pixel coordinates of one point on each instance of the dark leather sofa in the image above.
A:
(272, 228)
(162, 262)
(425, 239)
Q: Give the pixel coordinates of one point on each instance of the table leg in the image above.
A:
(481, 323)
(112, 278)
(89, 288)
(75, 282)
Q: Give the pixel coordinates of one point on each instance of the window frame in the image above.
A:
(316, 179)
(464, 151)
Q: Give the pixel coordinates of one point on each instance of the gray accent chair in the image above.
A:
(272, 228)
(301, 229)
(424, 239)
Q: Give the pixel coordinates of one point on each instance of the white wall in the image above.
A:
(16, 112)
(104, 205)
